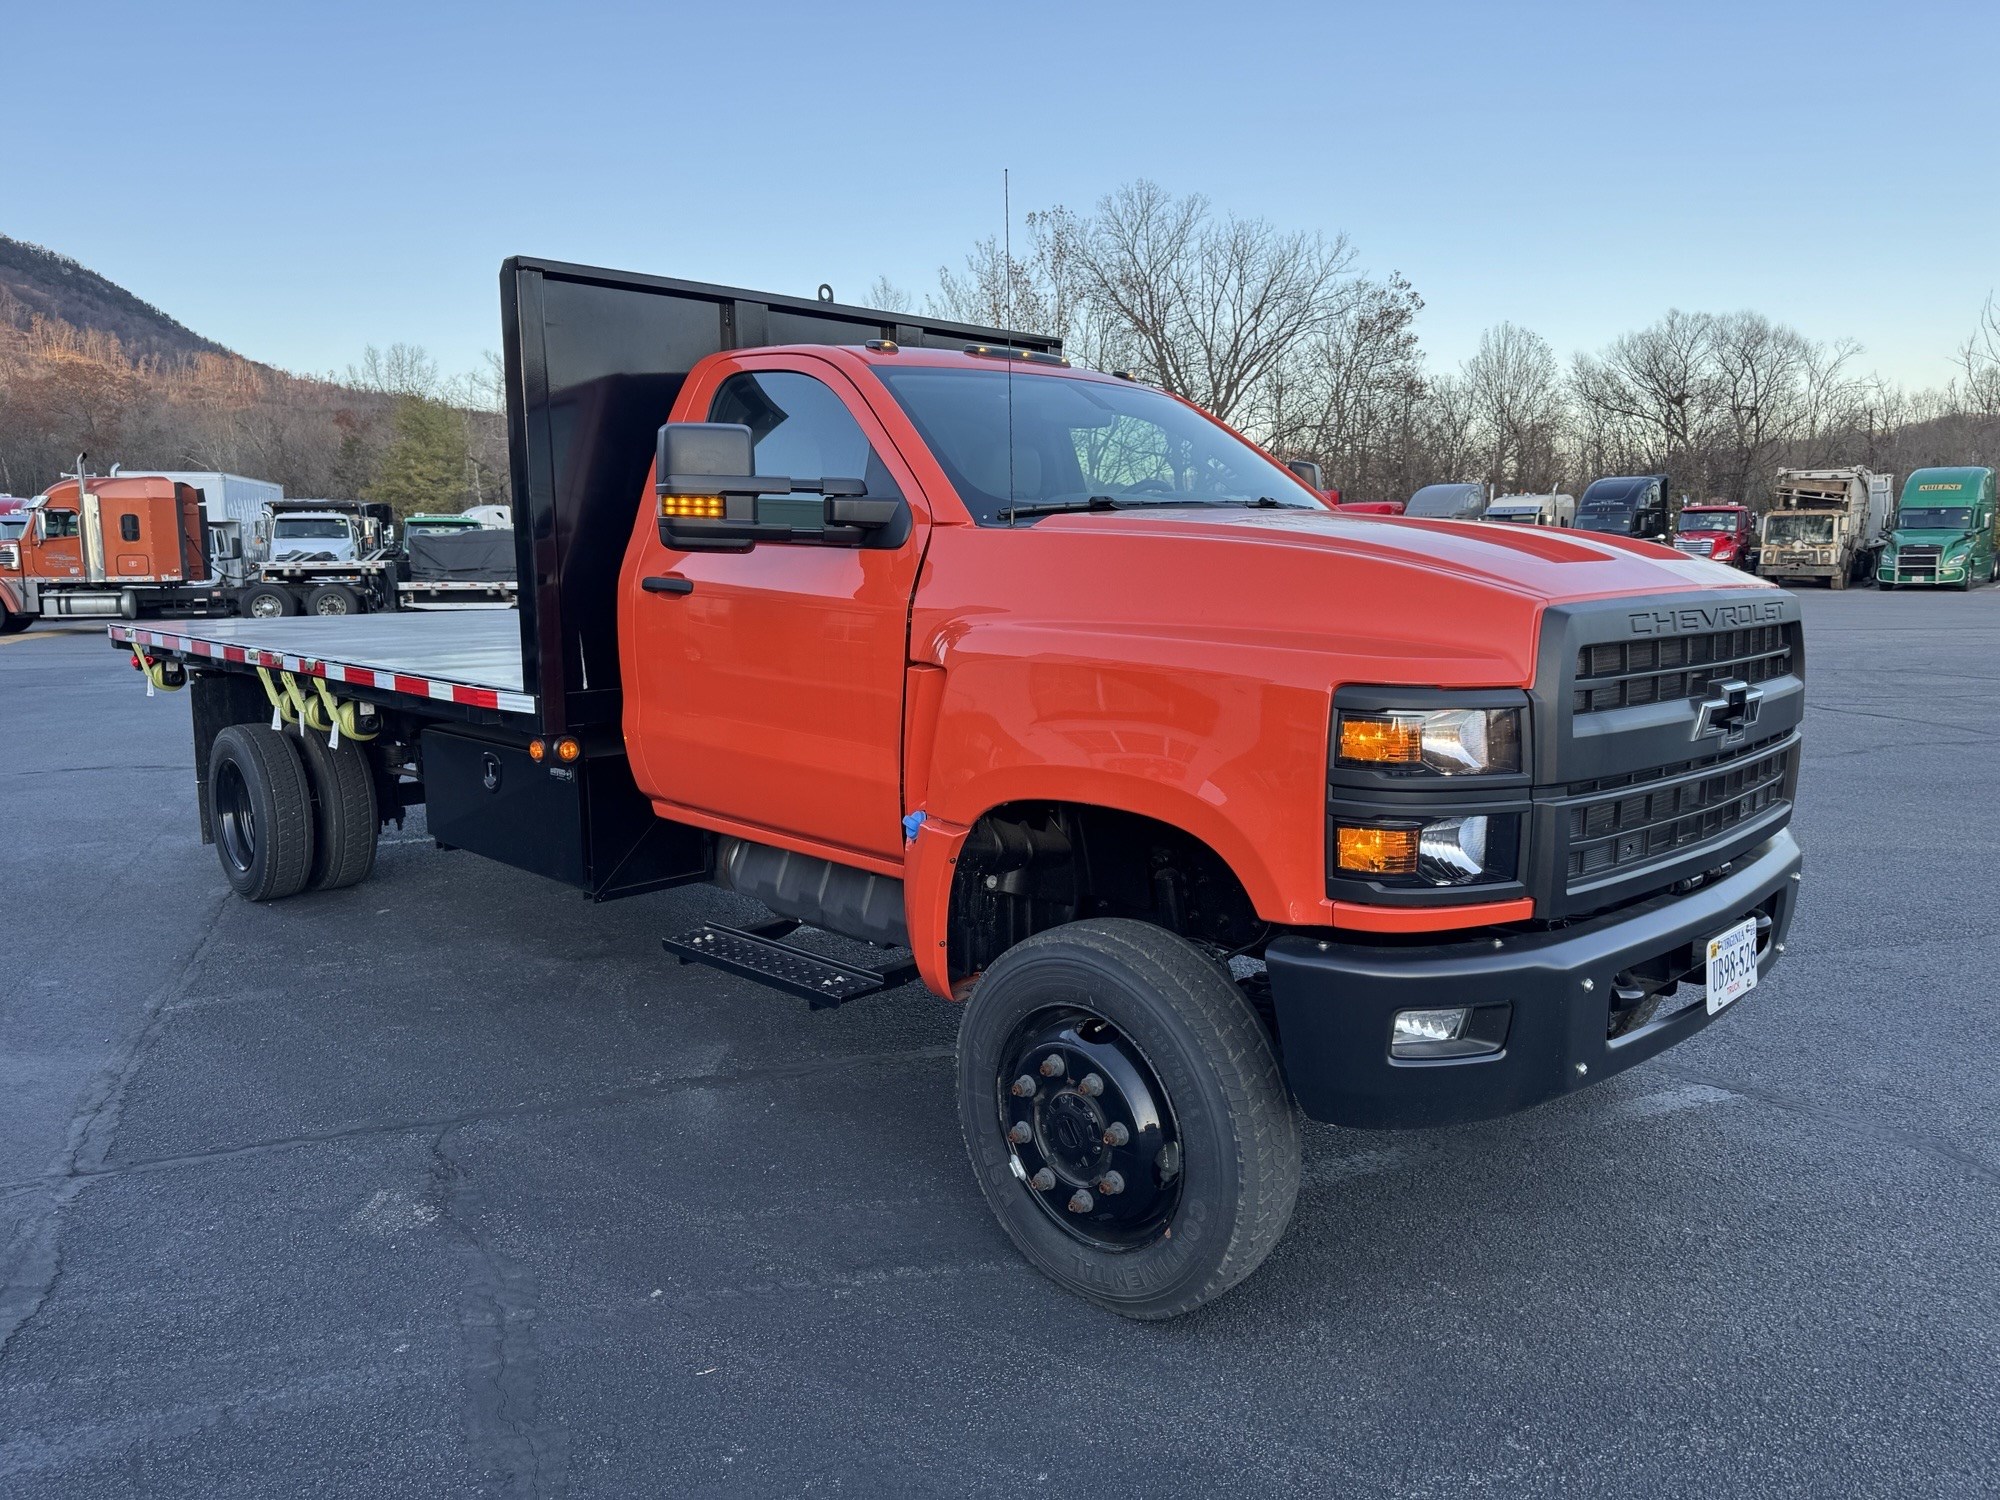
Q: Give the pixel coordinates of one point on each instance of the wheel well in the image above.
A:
(1029, 866)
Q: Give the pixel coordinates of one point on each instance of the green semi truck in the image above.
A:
(1945, 533)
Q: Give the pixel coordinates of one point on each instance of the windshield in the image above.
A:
(1707, 521)
(1936, 518)
(1613, 517)
(1803, 531)
(1515, 517)
(12, 527)
(328, 529)
(1077, 439)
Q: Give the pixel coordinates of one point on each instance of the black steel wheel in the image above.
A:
(261, 811)
(1126, 1117)
(1092, 1128)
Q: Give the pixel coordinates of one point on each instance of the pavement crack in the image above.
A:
(499, 1354)
(545, 1108)
(34, 1263)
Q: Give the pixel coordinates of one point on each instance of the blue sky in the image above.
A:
(299, 181)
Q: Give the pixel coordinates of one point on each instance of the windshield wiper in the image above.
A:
(1120, 502)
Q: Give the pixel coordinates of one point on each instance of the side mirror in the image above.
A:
(708, 497)
(1308, 472)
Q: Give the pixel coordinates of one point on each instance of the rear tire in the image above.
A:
(342, 786)
(1205, 1191)
(333, 599)
(262, 812)
(269, 601)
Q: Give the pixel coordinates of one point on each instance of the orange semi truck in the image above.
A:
(1211, 806)
(105, 547)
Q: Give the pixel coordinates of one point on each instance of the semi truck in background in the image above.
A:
(1825, 525)
(1719, 531)
(1946, 531)
(1211, 805)
(1448, 502)
(96, 547)
(1626, 505)
(1532, 510)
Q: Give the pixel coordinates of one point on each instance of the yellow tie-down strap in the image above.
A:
(323, 713)
(157, 672)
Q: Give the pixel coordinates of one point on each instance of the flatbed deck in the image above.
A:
(469, 657)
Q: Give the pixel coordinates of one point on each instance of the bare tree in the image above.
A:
(1515, 390)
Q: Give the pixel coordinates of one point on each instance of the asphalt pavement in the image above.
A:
(451, 1184)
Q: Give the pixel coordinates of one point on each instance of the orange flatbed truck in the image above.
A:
(1211, 806)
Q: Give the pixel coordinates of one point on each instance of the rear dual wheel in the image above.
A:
(290, 812)
(1126, 1116)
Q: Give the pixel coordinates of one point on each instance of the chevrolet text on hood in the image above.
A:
(1212, 807)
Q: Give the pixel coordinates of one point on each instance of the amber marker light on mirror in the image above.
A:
(693, 507)
(1377, 851)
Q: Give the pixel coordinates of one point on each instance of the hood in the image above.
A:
(1454, 603)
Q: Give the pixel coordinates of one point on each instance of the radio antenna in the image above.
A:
(1007, 270)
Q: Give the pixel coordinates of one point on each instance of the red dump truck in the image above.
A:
(1211, 806)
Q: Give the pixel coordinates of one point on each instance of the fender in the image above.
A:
(13, 598)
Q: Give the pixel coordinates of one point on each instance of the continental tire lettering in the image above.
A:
(1688, 619)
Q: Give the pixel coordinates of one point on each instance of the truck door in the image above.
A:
(58, 546)
(770, 691)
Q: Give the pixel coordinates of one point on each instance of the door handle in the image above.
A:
(668, 585)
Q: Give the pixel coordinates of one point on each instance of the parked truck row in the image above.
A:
(1213, 806)
(162, 544)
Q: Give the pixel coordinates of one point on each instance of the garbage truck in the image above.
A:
(1825, 525)
(1213, 808)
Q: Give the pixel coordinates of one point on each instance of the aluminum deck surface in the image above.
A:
(471, 655)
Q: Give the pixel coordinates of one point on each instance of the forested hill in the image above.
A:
(36, 281)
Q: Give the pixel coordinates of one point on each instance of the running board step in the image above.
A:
(756, 953)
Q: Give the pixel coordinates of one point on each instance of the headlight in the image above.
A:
(1442, 742)
(1475, 849)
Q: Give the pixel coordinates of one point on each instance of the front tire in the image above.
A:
(13, 624)
(1126, 1116)
(262, 812)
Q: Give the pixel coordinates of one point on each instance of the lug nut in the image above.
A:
(1081, 1202)
(1090, 1085)
(1042, 1181)
(1111, 1182)
(1021, 1133)
(1052, 1066)
(1024, 1087)
(1115, 1134)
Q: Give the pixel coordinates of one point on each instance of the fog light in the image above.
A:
(1456, 1031)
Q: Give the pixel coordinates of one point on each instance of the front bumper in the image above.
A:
(1336, 1002)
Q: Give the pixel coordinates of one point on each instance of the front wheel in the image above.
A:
(1126, 1117)
(13, 624)
(270, 601)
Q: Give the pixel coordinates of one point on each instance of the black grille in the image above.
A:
(1623, 674)
(1615, 832)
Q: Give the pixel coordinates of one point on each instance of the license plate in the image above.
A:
(1732, 964)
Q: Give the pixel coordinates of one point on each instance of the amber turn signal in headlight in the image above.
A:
(1377, 851)
(1380, 741)
(1443, 741)
(693, 507)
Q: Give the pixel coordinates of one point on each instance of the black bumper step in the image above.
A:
(756, 953)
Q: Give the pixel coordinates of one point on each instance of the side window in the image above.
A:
(128, 527)
(799, 429)
(58, 523)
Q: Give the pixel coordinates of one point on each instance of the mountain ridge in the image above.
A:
(36, 281)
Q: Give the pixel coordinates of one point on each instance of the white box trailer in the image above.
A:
(233, 504)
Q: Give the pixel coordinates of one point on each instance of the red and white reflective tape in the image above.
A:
(333, 671)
